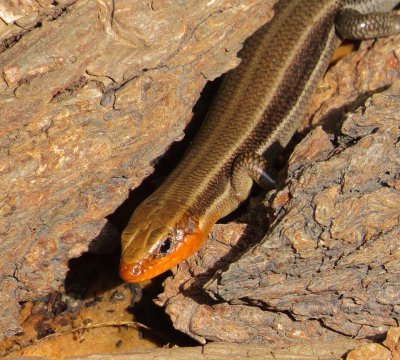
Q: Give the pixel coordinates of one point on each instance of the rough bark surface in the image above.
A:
(91, 94)
(329, 265)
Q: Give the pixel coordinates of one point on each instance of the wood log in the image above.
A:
(87, 87)
(92, 93)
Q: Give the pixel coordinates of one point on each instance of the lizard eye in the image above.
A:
(165, 247)
(170, 241)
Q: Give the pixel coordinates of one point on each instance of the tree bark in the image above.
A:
(91, 94)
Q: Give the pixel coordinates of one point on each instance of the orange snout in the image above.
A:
(149, 267)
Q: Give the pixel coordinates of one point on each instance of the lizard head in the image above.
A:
(157, 238)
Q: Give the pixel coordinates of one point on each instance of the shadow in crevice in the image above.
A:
(155, 317)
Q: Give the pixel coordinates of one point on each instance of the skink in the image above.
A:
(256, 112)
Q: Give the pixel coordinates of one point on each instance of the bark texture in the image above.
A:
(91, 94)
(329, 265)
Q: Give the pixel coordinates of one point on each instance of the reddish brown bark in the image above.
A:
(91, 94)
